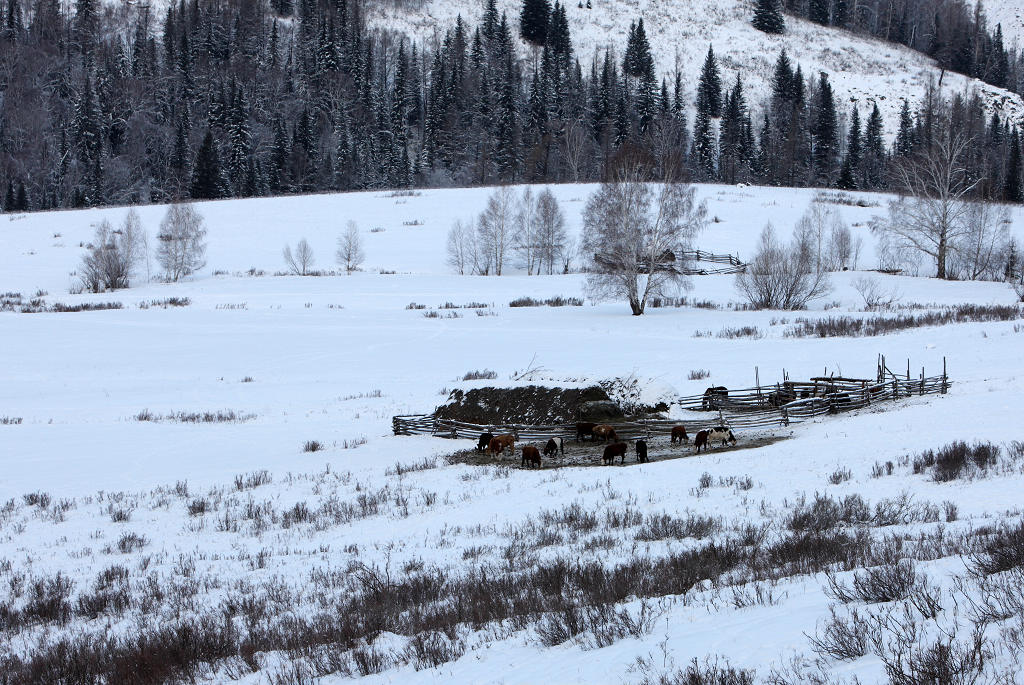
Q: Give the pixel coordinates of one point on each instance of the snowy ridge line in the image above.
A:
(751, 418)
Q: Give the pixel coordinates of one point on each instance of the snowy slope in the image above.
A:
(863, 71)
(1009, 13)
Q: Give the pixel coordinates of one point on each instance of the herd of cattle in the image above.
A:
(495, 445)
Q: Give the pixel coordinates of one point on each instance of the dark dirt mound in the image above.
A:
(533, 405)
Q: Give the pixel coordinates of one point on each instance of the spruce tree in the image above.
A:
(10, 202)
(840, 13)
(817, 11)
(22, 199)
(709, 89)
(638, 61)
(848, 175)
(782, 79)
(825, 134)
(904, 144)
(1012, 190)
(874, 150)
(768, 17)
(703, 152)
(731, 145)
(533, 21)
(207, 180)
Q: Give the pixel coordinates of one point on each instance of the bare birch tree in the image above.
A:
(181, 249)
(463, 252)
(630, 228)
(525, 236)
(931, 215)
(979, 254)
(551, 236)
(350, 252)
(495, 227)
(301, 262)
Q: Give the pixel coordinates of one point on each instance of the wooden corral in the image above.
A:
(765, 406)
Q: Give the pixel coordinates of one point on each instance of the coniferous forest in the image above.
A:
(239, 98)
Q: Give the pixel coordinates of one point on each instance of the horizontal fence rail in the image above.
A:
(744, 409)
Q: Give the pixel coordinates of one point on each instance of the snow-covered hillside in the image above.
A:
(863, 70)
(1009, 13)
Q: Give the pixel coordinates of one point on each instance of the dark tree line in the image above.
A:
(240, 98)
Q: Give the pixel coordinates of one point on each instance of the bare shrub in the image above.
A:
(780, 277)
(432, 649)
(708, 672)
(698, 374)
(886, 583)
(955, 460)
(37, 499)
(1003, 552)
(312, 446)
(301, 262)
(476, 375)
(131, 542)
(252, 480)
(874, 295)
(666, 526)
(112, 256)
(843, 637)
(840, 475)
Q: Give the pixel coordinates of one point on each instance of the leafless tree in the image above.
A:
(979, 253)
(135, 242)
(780, 277)
(931, 216)
(551, 236)
(495, 227)
(843, 250)
(350, 252)
(525, 237)
(463, 251)
(630, 227)
(302, 261)
(181, 249)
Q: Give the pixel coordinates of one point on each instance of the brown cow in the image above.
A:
(679, 433)
(616, 449)
(531, 455)
(605, 433)
(498, 444)
(585, 429)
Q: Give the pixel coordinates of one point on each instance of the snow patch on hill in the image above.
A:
(863, 70)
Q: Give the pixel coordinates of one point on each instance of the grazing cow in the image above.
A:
(484, 441)
(498, 444)
(605, 432)
(641, 452)
(584, 430)
(616, 449)
(531, 455)
(679, 433)
(707, 438)
(715, 397)
(554, 446)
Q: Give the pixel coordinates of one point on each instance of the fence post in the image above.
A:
(895, 388)
(943, 375)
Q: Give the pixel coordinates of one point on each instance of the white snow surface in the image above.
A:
(333, 358)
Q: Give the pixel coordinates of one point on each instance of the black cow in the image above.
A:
(554, 446)
(641, 452)
(485, 439)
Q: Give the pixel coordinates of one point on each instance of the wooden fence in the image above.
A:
(744, 409)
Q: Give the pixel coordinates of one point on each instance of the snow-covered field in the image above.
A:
(234, 520)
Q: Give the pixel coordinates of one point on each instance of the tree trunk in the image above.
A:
(940, 258)
(636, 305)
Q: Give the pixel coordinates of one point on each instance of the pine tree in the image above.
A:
(817, 11)
(782, 79)
(86, 25)
(825, 134)
(638, 62)
(732, 148)
(10, 202)
(533, 21)
(239, 139)
(768, 17)
(703, 153)
(709, 89)
(840, 13)
(89, 140)
(1012, 189)
(22, 199)
(905, 136)
(848, 175)
(874, 150)
(207, 180)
